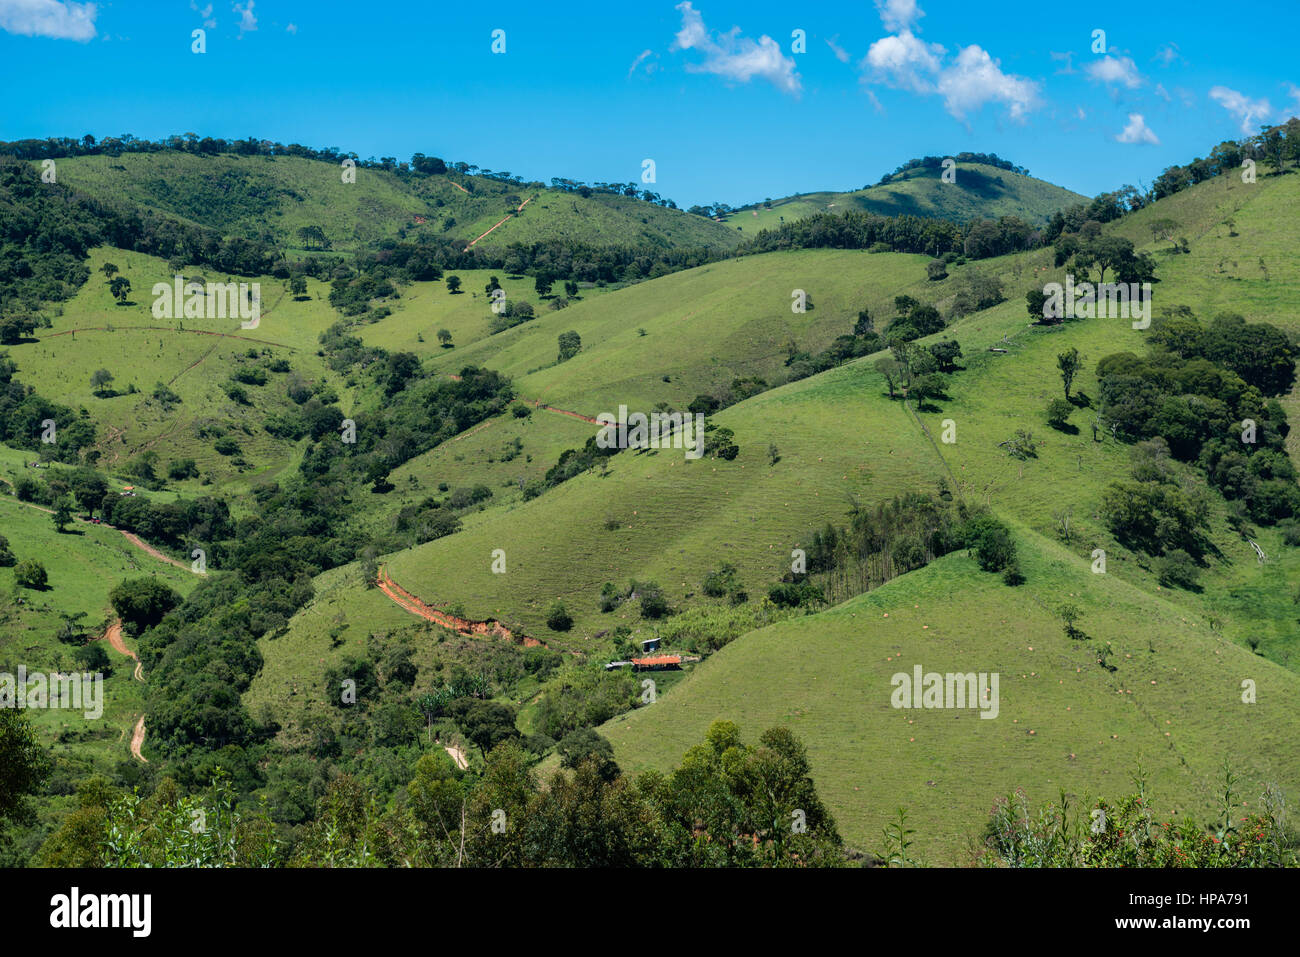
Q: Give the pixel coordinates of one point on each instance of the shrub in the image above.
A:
(991, 541)
(1176, 568)
(653, 602)
(718, 582)
(558, 618)
(1058, 413)
(794, 594)
(31, 574)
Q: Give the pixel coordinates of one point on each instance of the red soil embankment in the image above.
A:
(460, 625)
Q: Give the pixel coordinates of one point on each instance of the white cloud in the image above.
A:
(1293, 91)
(205, 13)
(1162, 92)
(641, 58)
(247, 22)
(905, 62)
(48, 18)
(1137, 131)
(899, 15)
(975, 78)
(841, 54)
(733, 56)
(875, 101)
(1109, 69)
(1247, 111)
(291, 28)
(1168, 54)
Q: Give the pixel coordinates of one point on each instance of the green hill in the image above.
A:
(655, 516)
(271, 198)
(979, 192)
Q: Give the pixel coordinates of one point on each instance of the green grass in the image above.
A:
(1173, 706)
(83, 565)
(271, 198)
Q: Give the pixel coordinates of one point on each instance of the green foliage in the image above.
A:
(1128, 833)
(1058, 413)
(30, 573)
(141, 603)
(557, 618)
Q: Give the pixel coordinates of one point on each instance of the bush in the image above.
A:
(7, 559)
(1058, 413)
(1178, 569)
(794, 594)
(653, 602)
(558, 618)
(991, 541)
(31, 574)
(718, 582)
(250, 375)
(180, 469)
(226, 446)
(92, 658)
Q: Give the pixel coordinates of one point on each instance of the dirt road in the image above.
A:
(461, 625)
(137, 739)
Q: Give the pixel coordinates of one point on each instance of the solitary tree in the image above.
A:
(453, 284)
(99, 380)
(120, 287)
(570, 345)
(298, 287)
(543, 285)
(1068, 362)
(444, 336)
(109, 270)
(62, 513)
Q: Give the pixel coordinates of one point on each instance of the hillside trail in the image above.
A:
(519, 208)
(132, 538)
(460, 625)
(137, 739)
(114, 636)
(145, 546)
(457, 755)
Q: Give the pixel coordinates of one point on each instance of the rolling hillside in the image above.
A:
(271, 197)
(810, 450)
(986, 192)
(654, 516)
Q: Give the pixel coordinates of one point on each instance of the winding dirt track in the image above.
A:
(114, 636)
(460, 625)
(457, 755)
(139, 543)
(137, 739)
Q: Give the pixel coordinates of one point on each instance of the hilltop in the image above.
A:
(986, 192)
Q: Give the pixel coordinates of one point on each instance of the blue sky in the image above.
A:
(712, 91)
